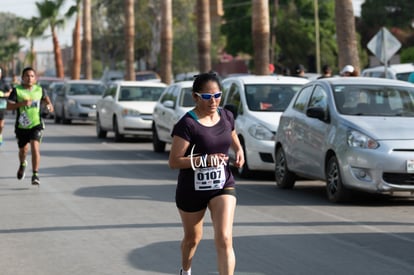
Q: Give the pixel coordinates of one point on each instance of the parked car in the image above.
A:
(174, 102)
(394, 71)
(45, 82)
(350, 132)
(77, 100)
(257, 103)
(126, 108)
(52, 91)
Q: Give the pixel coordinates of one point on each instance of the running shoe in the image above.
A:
(20, 173)
(35, 180)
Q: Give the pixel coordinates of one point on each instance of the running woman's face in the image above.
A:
(29, 78)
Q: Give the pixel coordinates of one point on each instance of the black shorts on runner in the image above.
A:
(24, 136)
(200, 199)
(2, 112)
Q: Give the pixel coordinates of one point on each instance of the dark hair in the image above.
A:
(28, 69)
(201, 79)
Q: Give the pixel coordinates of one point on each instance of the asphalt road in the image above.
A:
(108, 208)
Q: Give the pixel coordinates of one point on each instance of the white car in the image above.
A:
(394, 71)
(176, 100)
(126, 108)
(257, 103)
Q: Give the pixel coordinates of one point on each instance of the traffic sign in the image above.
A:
(384, 45)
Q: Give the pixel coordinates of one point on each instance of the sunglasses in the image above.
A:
(209, 96)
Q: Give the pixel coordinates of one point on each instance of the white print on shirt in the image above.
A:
(215, 161)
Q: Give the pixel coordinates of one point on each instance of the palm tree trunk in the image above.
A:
(76, 63)
(345, 34)
(87, 39)
(204, 35)
(129, 39)
(58, 55)
(261, 36)
(166, 41)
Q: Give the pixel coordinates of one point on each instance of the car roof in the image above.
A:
(364, 81)
(139, 83)
(185, 84)
(83, 81)
(268, 79)
(398, 68)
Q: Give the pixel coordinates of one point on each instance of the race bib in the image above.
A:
(209, 178)
(24, 120)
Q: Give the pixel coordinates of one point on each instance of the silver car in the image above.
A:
(77, 100)
(353, 133)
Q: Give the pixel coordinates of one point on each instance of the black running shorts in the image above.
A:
(200, 199)
(24, 136)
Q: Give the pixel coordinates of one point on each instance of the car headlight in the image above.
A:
(260, 132)
(358, 139)
(129, 112)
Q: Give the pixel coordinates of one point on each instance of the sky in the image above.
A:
(27, 9)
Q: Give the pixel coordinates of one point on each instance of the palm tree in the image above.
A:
(87, 39)
(76, 41)
(346, 34)
(49, 12)
(34, 28)
(204, 35)
(261, 36)
(166, 41)
(129, 39)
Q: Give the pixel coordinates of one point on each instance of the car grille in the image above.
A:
(90, 106)
(399, 179)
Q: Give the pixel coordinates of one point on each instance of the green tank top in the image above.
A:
(29, 116)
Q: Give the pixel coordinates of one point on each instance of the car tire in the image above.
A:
(118, 136)
(65, 120)
(335, 189)
(57, 118)
(244, 171)
(100, 133)
(285, 179)
(157, 144)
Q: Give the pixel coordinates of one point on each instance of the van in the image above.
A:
(394, 71)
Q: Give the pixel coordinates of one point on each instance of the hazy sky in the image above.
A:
(27, 9)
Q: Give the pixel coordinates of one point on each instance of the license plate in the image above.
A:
(92, 114)
(410, 166)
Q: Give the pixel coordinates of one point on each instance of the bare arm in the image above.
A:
(238, 149)
(177, 158)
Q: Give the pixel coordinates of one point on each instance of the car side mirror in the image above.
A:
(318, 113)
(168, 104)
(232, 109)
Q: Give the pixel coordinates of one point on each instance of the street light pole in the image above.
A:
(317, 43)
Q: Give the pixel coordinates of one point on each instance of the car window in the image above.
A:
(374, 100)
(85, 89)
(234, 97)
(138, 93)
(186, 99)
(302, 99)
(110, 91)
(318, 98)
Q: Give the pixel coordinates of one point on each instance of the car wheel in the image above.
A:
(244, 171)
(64, 119)
(57, 118)
(157, 144)
(100, 133)
(284, 178)
(335, 188)
(118, 136)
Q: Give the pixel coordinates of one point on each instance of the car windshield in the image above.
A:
(372, 100)
(270, 97)
(403, 76)
(86, 89)
(136, 93)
